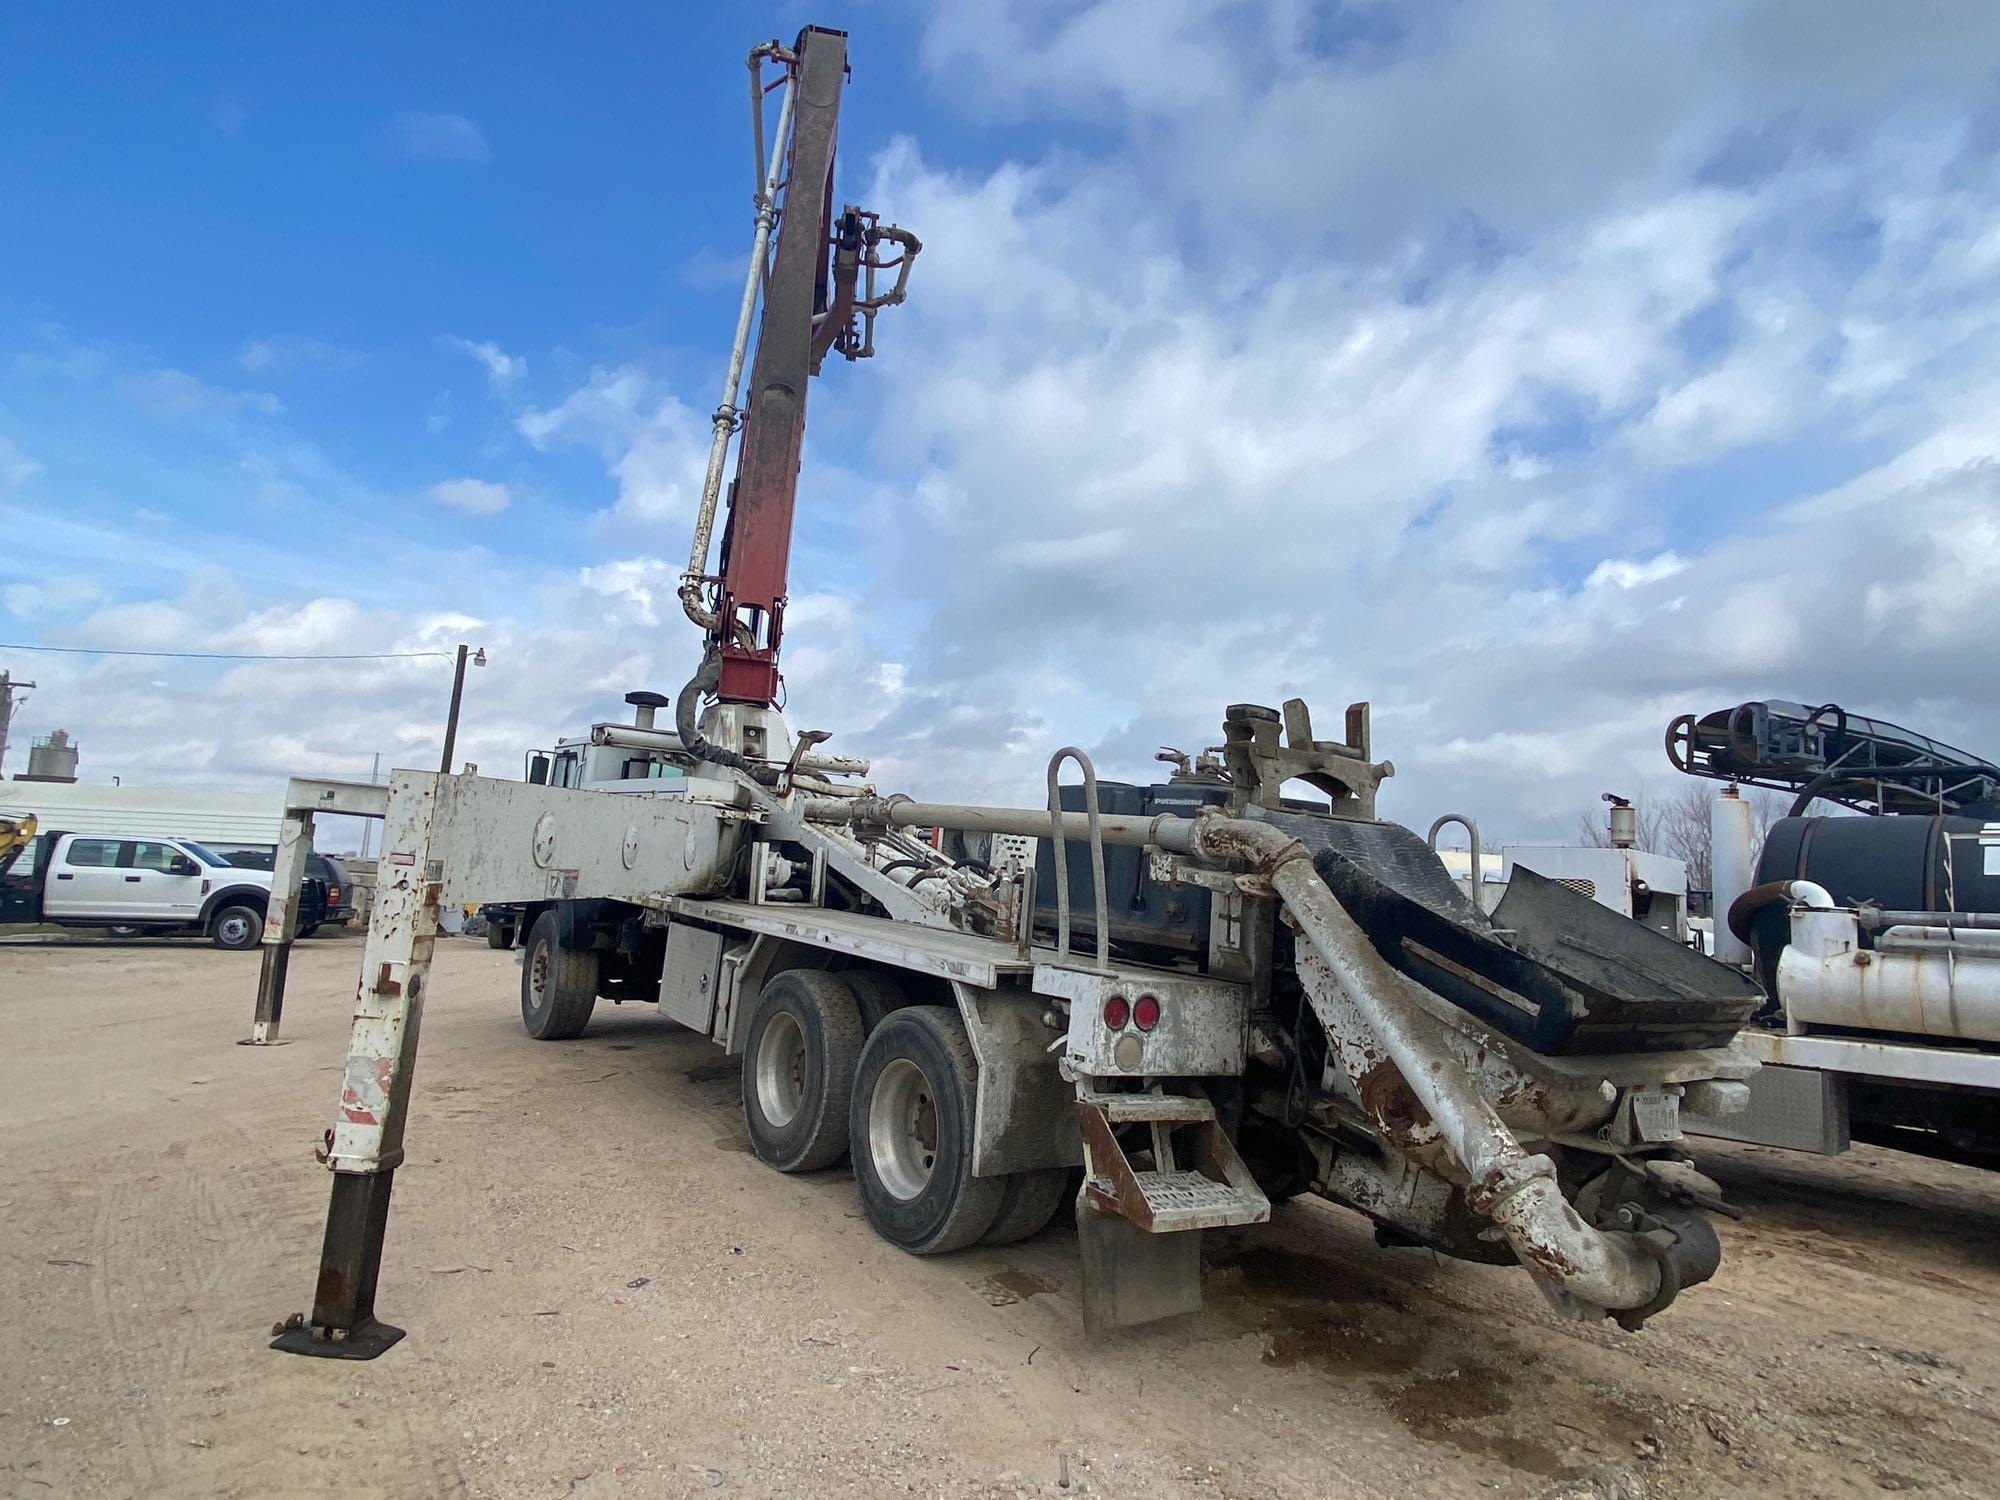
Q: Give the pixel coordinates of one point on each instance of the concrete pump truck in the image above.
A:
(1192, 1000)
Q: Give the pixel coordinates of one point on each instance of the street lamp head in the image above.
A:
(479, 657)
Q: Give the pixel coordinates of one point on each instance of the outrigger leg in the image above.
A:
(365, 1146)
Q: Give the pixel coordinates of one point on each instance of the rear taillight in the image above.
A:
(1117, 1011)
(333, 895)
(1146, 1012)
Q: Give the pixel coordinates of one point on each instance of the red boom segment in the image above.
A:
(757, 541)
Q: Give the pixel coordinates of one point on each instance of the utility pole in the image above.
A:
(368, 824)
(457, 692)
(8, 688)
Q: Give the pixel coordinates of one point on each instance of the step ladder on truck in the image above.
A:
(1199, 998)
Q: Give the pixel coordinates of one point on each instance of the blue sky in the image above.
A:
(316, 212)
(1538, 370)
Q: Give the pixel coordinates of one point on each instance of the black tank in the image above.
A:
(1905, 863)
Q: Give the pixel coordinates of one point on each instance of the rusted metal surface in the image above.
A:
(1213, 1192)
(304, 796)
(1918, 981)
(757, 538)
(281, 919)
(1202, 1030)
(727, 418)
(1582, 1269)
(1260, 763)
(1023, 1119)
(366, 1144)
(389, 999)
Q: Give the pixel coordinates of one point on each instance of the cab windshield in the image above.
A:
(202, 852)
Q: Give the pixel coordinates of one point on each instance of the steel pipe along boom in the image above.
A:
(732, 383)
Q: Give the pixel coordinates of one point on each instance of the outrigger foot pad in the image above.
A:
(296, 1336)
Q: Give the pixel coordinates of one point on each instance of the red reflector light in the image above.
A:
(1146, 1013)
(1117, 1011)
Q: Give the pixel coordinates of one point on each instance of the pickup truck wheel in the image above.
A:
(126, 931)
(499, 934)
(1027, 1203)
(237, 928)
(558, 985)
(307, 931)
(910, 1134)
(798, 1070)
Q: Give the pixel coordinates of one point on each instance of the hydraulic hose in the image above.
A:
(687, 709)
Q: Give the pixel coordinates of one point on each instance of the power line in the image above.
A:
(235, 655)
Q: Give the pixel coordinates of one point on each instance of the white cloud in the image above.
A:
(652, 443)
(503, 370)
(15, 466)
(278, 356)
(433, 137)
(476, 497)
(1627, 573)
(177, 396)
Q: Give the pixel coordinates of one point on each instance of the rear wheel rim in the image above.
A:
(234, 929)
(903, 1129)
(538, 973)
(781, 1070)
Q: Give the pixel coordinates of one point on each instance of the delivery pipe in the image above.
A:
(1517, 1190)
(726, 414)
(1173, 834)
(1874, 917)
(1743, 910)
(630, 737)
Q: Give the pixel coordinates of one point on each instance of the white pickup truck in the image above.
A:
(164, 887)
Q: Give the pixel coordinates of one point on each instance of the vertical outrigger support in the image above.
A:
(304, 796)
(365, 1145)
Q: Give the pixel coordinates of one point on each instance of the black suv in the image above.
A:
(340, 908)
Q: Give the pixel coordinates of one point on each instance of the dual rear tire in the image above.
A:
(842, 1065)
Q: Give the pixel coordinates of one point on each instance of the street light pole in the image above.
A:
(457, 693)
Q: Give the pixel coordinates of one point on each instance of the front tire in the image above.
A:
(237, 928)
(558, 985)
(910, 1134)
(798, 1070)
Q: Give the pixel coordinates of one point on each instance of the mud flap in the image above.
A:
(1131, 1276)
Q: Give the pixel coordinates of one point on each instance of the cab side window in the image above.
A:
(91, 854)
(148, 855)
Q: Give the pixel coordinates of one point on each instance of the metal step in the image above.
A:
(1187, 1200)
(1214, 1191)
(1147, 1109)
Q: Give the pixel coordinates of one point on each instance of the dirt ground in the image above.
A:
(607, 1294)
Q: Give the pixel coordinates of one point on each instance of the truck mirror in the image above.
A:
(182, 865)
(538, 770)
